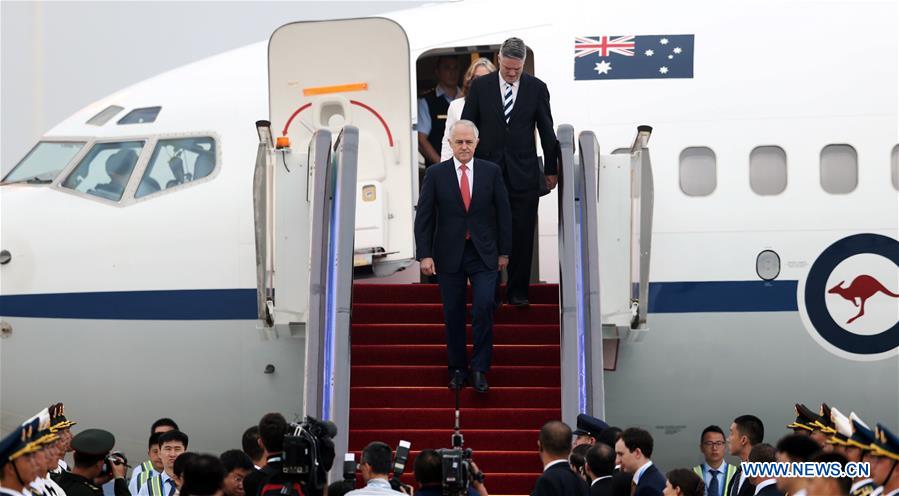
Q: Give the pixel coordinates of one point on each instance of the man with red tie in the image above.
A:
(463, 232)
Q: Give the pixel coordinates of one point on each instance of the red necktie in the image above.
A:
(466, 192)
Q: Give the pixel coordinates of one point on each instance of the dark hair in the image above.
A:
(203, 475)
(689, 483)
(797, 447)
(84, 460)
(610, 436)
(272, 428)
(183, 460)
(428, 468)
(711, 428)
(601, 459)
(379, 456)
(235, 459)
(250, 443)
(635, 437)
(442, 58)
(762, 453)
(340, 488)
(154, 440)
(555, 437)
(578, 455)
(164, 421)
(751, 427)
(169, 436)
(845, 483)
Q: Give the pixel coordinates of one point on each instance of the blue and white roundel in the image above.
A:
(849, 301)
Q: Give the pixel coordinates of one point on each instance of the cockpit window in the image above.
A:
(44, 162)
(176, 162)
(105, 170)
(104, 115)
(140, 116)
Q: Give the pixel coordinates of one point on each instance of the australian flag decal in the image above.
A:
(633, 57)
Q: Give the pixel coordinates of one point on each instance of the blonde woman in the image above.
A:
(478, 68)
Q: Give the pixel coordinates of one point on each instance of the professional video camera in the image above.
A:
(309, 454)
(456, 462)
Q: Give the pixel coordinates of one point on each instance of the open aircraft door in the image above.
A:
(331, 74)
(333, 188)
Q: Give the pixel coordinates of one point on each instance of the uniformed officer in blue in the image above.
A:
(17, 466)
(858, 449)
(92, 449)
(61, 426)
(885, 461)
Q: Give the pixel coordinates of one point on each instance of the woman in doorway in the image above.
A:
(478, 68)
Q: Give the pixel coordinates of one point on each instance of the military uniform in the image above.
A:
(886, 444)
(805, 420)
(95, 442)
(17, 444)
(861, 438)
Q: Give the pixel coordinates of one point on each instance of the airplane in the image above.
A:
(129, 261)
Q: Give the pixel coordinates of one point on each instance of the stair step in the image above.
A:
(430, 293)
(433, 375)
(439, 418)
(476, 439)
(429, 354)
(435, 334)
(432, 313)
(423, 397)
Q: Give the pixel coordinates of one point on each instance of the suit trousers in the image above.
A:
(453, 293)
(524, 224)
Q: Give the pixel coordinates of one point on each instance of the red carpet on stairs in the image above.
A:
(399, 377)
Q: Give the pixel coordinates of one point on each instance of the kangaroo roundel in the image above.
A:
(849, 301)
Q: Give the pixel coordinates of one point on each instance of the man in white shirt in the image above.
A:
(153, 465)
(375, 468)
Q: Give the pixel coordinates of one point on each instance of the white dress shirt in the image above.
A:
(599, 479)
(502, 90)
(550, 464)
(469, 173)
(375, 487)
(640, 471)
(722, 476)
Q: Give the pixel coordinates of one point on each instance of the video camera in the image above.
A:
(309, 453)
(456, 462)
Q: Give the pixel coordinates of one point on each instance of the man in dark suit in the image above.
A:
(600, 466)
(272, 428)
(635, 451)
(558, 479)
(764, 486)
(746, 431)
(462, 228)
(507, 106)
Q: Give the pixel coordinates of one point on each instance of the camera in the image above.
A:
(456, 462)
(309, 453)
(114, 458)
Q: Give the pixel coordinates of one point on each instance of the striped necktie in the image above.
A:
(508, 102)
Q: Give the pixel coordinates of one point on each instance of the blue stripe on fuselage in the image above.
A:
(240, 304)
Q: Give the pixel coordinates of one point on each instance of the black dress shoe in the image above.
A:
(519, 302)
(458, 381)
(479, 379)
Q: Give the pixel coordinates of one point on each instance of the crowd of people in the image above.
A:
(595, 459)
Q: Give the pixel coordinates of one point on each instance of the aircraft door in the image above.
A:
(330, 74)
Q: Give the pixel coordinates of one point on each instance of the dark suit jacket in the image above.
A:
(441, 220)
(748, 487)
(771, 490)
(513, 146)
(651, 483)
(602, 488)
(560, 480)
(621, 483)
(252, 483)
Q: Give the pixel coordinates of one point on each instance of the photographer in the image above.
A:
(375, 467)
(429, 475)
(94, 466)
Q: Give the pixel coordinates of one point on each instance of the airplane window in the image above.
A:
(894, 163)
(176, 162)
(698, 176)
(44, 162)
(104, 115)
(105, 170)
(140, 116)
(839, 169)
(768, 170)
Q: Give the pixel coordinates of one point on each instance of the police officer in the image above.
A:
(17, 466)
(93, 466)
(588, 429)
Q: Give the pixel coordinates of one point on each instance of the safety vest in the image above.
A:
(146, 471)
(728, 477)
(156, 486)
